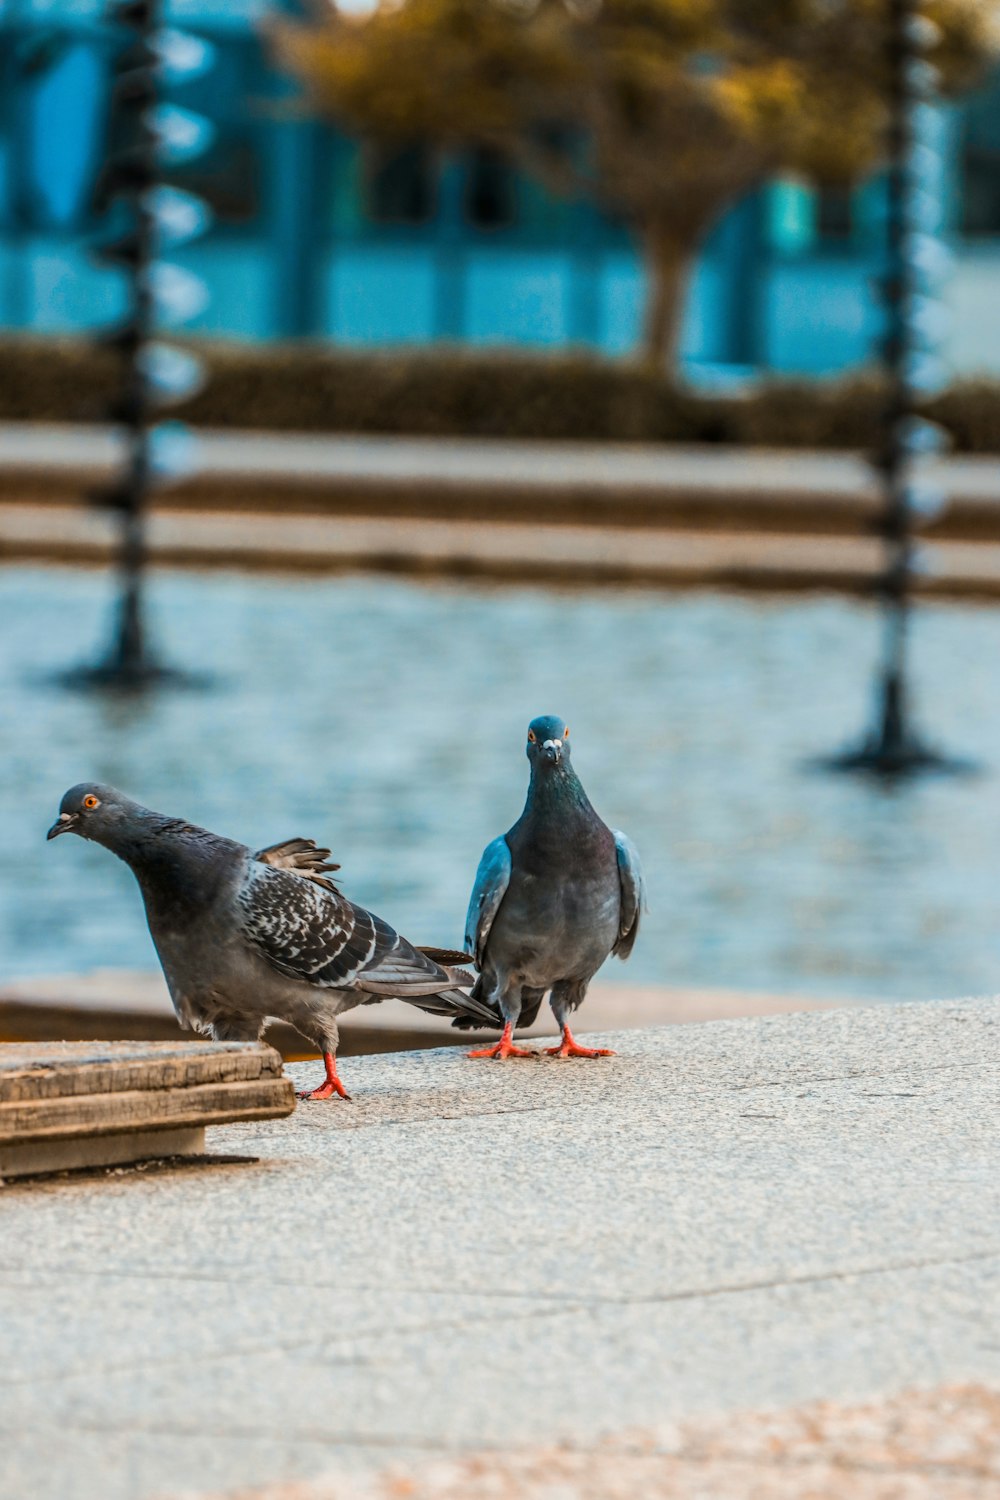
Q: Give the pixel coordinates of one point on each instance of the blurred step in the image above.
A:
(597, 484)
(505, 552)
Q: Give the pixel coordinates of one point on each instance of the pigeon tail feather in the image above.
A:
(447, 956)
(481, 1013)
(478, 1023)
(471, 1013)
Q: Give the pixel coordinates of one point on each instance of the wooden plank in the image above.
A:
(64, 1090)
(145, 1109)
(32, 1157)
(49, 1070)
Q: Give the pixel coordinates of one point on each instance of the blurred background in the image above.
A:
(374, 378)
(322, 233)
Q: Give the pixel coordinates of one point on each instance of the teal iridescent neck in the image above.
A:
(557, 789)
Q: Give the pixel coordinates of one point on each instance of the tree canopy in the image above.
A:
(663, 112)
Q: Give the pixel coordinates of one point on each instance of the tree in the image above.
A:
(663, 112)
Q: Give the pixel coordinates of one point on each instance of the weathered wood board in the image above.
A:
(87, 1103)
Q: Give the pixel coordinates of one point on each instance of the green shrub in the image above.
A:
(444, 392)
(55, 380)
(971, 412)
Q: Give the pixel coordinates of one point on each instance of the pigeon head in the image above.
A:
(93, 811)
(548, 741)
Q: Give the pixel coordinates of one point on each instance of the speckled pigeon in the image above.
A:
(553, 897)
(243, 937)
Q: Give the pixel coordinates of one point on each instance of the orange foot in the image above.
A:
(504, 1047)
(331, 1084)
(570, 1048)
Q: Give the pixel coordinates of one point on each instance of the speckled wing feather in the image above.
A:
(320, 937)
(303, 929)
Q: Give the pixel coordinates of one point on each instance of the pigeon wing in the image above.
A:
(303, 928)
(321, 938)
(399, 971)
(492, 880)
(397, 968)
(633, 890)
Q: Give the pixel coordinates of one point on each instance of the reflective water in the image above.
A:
(387, 718)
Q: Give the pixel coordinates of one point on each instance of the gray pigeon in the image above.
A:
(243, 937)
(553, 897)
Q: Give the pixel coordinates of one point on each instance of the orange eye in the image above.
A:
(565, 734)
(91, 801)
(531, 736)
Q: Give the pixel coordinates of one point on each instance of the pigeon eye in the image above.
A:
(91, 802)
(565, 734)
(531, 736)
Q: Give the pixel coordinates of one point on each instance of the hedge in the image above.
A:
(443, 392)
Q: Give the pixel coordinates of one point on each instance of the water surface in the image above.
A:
(387, 718)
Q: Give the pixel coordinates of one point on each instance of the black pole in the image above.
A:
(895, 742)
(894, 746)
(131, 173)
(134, 180)
(129, 661)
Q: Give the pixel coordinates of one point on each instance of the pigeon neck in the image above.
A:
(556, 791)
(168, 854)
(146, 842)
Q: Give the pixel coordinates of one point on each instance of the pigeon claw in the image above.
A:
(331, 1084)
(504, 1048)
(325, 1091)
(569, 1047)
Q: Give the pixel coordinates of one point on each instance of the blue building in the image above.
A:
(318, 236)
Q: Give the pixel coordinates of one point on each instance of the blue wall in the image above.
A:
(294, 252)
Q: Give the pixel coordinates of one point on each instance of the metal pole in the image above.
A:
(894, 747)
(128, 662)
(153, 373)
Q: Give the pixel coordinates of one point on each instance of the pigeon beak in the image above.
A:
(65, 823)
(552, 750)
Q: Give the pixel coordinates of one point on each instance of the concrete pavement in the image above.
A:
(938, 1444)
(726, 1216)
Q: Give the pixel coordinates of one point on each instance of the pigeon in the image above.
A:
(553, 897)
(243, 937)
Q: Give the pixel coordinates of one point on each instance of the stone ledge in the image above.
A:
(134, 1005)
